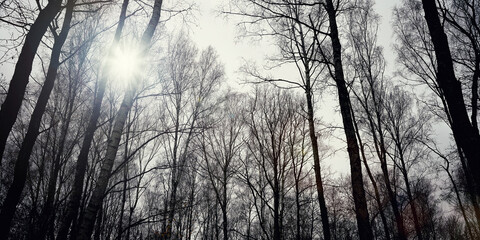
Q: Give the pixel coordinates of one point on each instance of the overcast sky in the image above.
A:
(221, 32)
(216, 30)
(210, 28)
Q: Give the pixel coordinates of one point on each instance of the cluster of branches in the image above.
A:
(174, 154)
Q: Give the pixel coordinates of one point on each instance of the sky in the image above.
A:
(215, 29)
(221, 32)
(211, 28)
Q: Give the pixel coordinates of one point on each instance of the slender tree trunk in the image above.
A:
(374, 182)
(167, 231)
(413, 207)
(468, 137)
(297, 210)
(178, 165)
(316, 162)
(462, 208)
(21, 165)
(82, 161)
(96, 200)
(23, 68)
(277, 234)
(474, 100)
(124, 192)
(86, 228)
(379, 142)
(224, 207)
(361, 210)
(99, 222)
(47, 213)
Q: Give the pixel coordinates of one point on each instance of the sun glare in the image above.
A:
(125, 63)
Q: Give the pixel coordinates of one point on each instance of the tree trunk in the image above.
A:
(411, 199)
(361, 211)
(374, 182)
(82, 161)
(124, 192)
(277, 233)
(379, 142)
(23, 68)
(224, 207)
(96, 200)
(468, 137)
(316, 161)
(21, 165)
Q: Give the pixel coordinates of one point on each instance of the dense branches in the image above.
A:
(123, 135)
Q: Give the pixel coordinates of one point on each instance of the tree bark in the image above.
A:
(96, 200)
(468, 137)
(316, 163)
(16, 90)
(21, 165)
(361, 211)
(82, 161)
(86, 228)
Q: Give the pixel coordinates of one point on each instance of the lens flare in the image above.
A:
(125, 64)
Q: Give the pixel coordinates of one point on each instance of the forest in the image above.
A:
(116, 124)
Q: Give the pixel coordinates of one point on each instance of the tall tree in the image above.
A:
(361, 211)
(23, 68)
(267, 144)
(81, 164)
(193, 80)
(95, 203)
(368, 65)
(221, 147)
(294, 26)
(466, 135)
(21, 165)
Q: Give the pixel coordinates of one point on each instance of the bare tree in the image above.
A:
(81, 164)
(16, 90)
(361, 211)
(21, 165)
(96, 200)
(404, 131)
(369, 66)
(220, 147)
(192, 82)
(299, 45)
(467, 136)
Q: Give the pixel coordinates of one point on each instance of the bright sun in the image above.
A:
(125, 63)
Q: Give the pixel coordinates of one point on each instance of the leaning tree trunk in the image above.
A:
(21, 165)
(416, 221)
(96, 200)
(316, 162)
(47, 214)
(361, 210)
(23, 68)
(468, 137)
(82, 161)
(379, 143)
(381, 209)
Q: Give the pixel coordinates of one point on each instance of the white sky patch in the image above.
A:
(222, 33)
